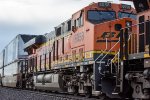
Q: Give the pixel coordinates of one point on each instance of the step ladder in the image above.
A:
(118, 62)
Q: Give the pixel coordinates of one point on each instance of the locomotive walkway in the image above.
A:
(18, 94)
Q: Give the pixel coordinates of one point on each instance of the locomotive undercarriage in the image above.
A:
(139, 78)
(89, 79)
(77, 81)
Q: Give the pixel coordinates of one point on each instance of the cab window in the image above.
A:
(97, 16)
(79, 21)
(125, 14)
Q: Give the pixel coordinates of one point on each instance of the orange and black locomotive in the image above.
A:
(82, 55)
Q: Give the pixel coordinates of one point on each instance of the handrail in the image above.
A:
(113, 59)
(106, 55)
(123, 46)
(110, 50)
(101, 53)
(117, 54)
(134, 25)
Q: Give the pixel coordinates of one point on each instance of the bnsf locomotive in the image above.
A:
(81, 56)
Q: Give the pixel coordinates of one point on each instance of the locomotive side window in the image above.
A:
(80, 20)
(58, 31)
(63, 28)
(96, 16)
(75, 24)
(69, 25)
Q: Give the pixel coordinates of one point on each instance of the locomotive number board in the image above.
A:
(126, 7)
(104, 4)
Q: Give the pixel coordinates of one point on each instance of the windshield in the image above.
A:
(96, 16)
(125, 14)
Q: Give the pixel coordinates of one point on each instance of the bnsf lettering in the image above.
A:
(79, 37)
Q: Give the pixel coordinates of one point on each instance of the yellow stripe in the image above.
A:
(54, 39)
(146, 55)
(86, 55)
(104, 52)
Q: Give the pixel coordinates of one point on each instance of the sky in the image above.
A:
(35, 16)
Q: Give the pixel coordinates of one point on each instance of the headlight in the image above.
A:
(128, 24)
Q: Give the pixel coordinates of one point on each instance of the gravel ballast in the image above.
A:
(18, 94)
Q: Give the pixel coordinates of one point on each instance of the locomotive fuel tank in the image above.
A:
(40, 78)
(53, 82)
(48, 78)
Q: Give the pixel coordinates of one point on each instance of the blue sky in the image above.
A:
(35, 16)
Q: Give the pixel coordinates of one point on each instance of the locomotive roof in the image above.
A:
(62, 23)
(50, 35)
(113, 6)
(140, 5)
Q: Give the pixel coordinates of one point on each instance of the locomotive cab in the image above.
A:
(100, 24)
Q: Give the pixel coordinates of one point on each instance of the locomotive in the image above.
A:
(137, 64)
(83, 55)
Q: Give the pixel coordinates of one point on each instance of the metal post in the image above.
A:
(121, 44)
(149, 35)
(126, 43)
(106, 44)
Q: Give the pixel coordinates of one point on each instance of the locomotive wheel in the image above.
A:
(88, 92)
(102, 97)
(76, 91)
(1, 84)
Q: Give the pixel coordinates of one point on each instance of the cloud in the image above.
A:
(32, 11)
(35, 16)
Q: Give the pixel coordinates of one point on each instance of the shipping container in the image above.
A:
(1, 72)
(12, 58)
(2, 59)
(15, 49)
(11, 72)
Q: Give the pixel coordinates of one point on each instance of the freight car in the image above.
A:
(12, 60)
(80, 55)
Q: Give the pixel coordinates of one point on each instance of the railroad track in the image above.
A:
(19, 94)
